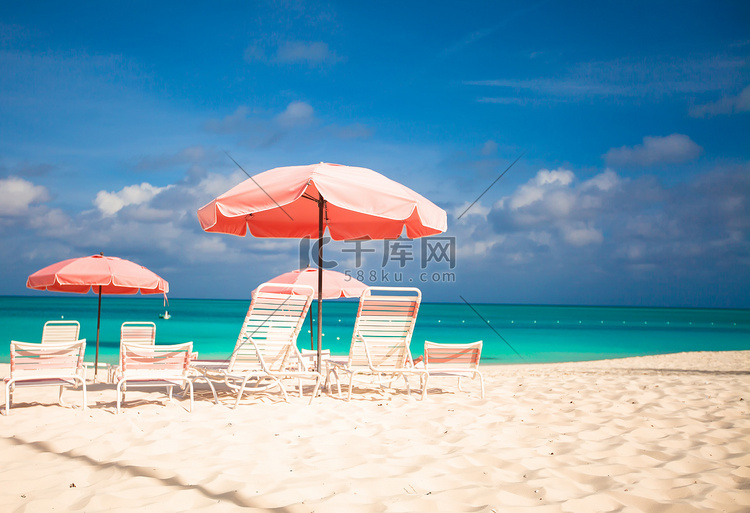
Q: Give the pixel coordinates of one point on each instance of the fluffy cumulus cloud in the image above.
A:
(608, 230)
(581, 234)
(110, 203)
(553, 202)
(674, 148)
(18, 195)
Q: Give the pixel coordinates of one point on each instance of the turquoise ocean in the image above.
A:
(536, 333)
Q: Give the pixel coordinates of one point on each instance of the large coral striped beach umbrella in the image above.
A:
(303, 201)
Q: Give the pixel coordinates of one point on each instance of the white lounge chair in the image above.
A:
(145, 365)
(55, 332)
(60, 331)
(134, 332)
(51, 364)
(452, 360)
(266, 350)
(379, 353)
(138, 332)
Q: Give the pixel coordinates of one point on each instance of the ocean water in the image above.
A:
(511, 333)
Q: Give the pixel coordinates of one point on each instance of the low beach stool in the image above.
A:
(452, 360)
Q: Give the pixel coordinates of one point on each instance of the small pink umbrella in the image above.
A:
(335, 285)
(109, 275)
(302, 201)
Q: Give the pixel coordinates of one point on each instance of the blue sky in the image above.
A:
(632, 119)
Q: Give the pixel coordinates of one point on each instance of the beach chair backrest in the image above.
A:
(151, 361)
(138, 332)
(384, 327)
(452, 357)
(46, 360)
(60, 331)
(269, 332)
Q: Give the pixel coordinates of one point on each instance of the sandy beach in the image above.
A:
(667, 433)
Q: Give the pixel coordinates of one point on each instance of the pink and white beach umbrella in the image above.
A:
(106, 275)
(302, 201)
(335, 285)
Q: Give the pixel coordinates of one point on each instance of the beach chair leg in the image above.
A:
(351, 385)
(120, 395)
(459, 385)
(408, 387)
(213, 391)
(83, 382)
(423, 382)
(190, 385)
(60, 399)
(317, 386)
(338, 382)
(210, 385)
(8, 397)
(283, 391)
(481, 385)
(240, 391)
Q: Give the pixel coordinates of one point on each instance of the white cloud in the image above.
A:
(311, 53)
(296, 114)
(109, 203)
(17, 195)
(215, 185)
(489, 148)
(557, 176)
(53, 223)
(581, 234)
(189, 155)
(635, 78)
(232, 123)
(674, 148)
(603, 181)
(534, 191)
(561, 203)
(477, 209)
(549, 213)
(726, 105)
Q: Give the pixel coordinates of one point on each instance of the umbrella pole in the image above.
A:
(98, 321)
(321, 206)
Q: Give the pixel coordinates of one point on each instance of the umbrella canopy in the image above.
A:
(105, 275)
(359, 204)
(352, 202)
(335, 285)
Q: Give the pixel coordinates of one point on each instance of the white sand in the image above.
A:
(655, 434)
